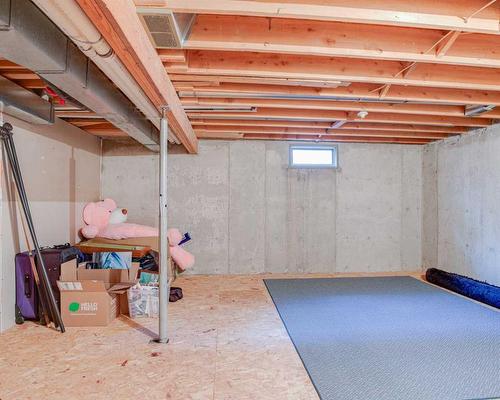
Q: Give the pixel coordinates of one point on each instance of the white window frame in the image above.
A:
(333, 148)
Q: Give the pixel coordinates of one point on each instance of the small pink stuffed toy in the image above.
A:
(103, 219)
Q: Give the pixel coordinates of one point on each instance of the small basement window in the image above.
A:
(313, 157)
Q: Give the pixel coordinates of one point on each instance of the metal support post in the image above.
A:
(163, 245)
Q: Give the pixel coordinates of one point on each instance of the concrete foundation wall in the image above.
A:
(61, 170)
(249, 213)
(465, 173)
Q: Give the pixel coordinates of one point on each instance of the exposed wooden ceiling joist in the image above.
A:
(19, 75)
(457, 15)
(32, 83)
(318, 132)
(83, 122)
(172, 55)
(190, 81)
(306, 37)
(422, 109)
(343, 69)
(320, 115)
(327, 125)
(105, 130)
(355, 90)
(9, 65)
(323, 138)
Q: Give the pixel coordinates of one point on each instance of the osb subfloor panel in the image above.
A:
(226, 342)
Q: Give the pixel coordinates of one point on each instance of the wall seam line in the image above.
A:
(264, 266)
(401, 207)
(228, 208)
(436, 251)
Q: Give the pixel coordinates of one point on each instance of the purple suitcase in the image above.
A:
(26, 295)
(26, 291)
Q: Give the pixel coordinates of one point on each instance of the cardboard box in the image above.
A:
(71, 272)
(93, 297)
(87, 303)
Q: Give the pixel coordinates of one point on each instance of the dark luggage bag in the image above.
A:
(27, 301)
(26, 296)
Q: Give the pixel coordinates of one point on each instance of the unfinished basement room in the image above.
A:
(250, 200)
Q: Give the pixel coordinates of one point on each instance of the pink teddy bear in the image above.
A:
(103, 219)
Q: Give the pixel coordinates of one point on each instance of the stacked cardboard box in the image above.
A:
(94, 297)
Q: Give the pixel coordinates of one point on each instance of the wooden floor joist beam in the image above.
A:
(105, 131)
(343, 69)
(32, 83)
(316, 132)
(354, 91)
(84, 122)
(417, 109)
(172, 55)
(198, 123)
(368, 126)
(319, 138)
(336, 39)
(330, 116)
(186, 80)
(428, 14)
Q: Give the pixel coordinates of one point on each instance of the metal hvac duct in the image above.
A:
(23, 104)
(30, 39)
(4, 13)
(166, 30)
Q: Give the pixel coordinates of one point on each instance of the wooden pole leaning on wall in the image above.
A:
(45, 292)
(163, 240)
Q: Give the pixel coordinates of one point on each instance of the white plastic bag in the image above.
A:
(143, 301)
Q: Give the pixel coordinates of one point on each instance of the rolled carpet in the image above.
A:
(472, 288)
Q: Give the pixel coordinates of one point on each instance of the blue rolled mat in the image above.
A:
(472, 288)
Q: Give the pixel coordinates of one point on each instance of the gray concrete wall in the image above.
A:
(466, 205)
(249, 213)
(61, 170)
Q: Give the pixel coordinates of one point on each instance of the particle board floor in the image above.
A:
(227, 342)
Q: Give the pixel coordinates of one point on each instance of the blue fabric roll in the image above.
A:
(474, 289)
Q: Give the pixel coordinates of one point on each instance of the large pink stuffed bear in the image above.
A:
(105, 220)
